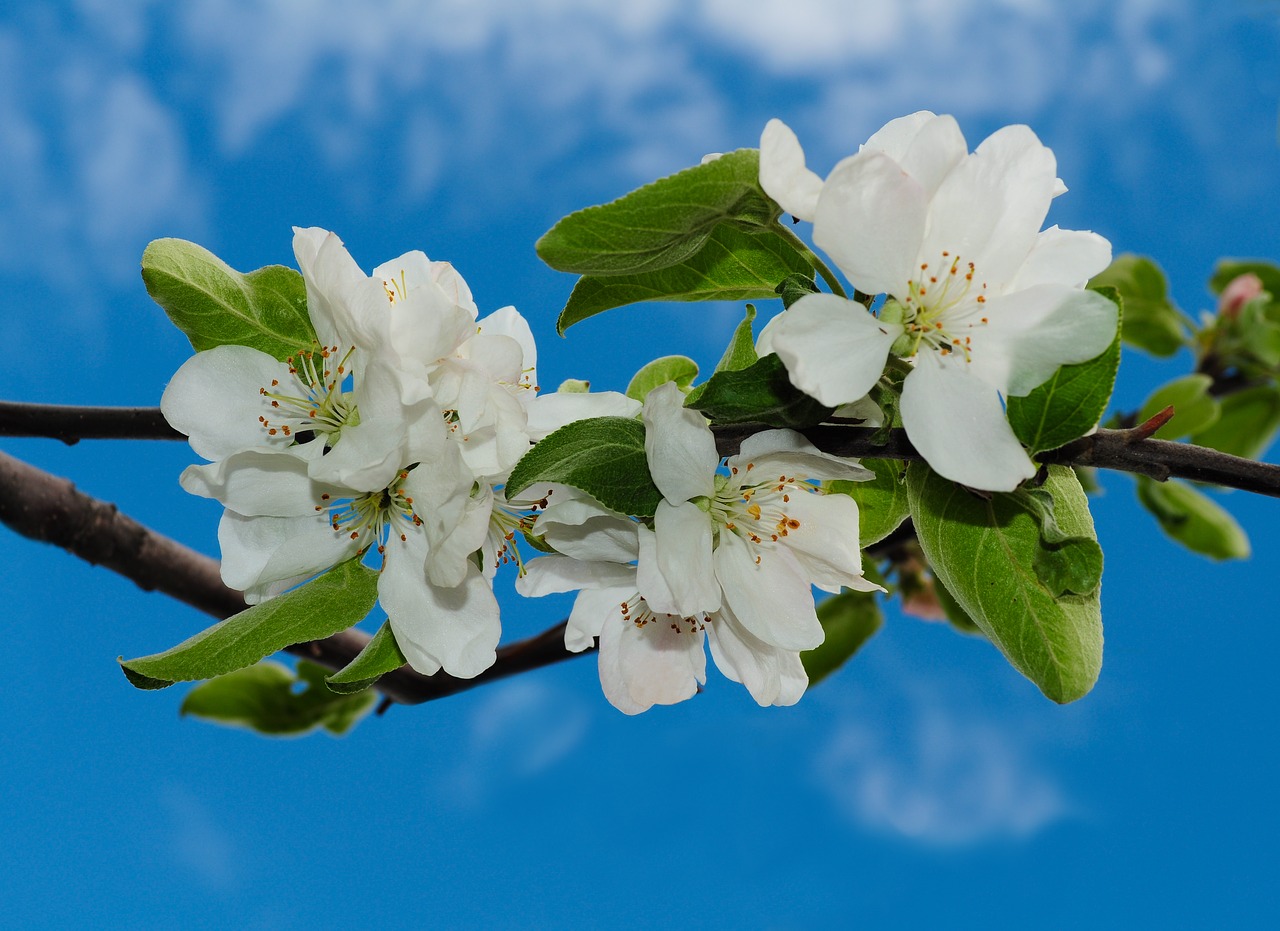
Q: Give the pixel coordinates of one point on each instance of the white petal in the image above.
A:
(927, 147)
(508, 322)
(549, 412)
(214, 399)
(871, 221)
(783, 174)
(957, 423)
(678, 445)
(1032, 332)
(651, 665)
(330, 275)
(679, 552)
(833, 349)
(785, 452)
(585, 530)
(826, 542)
(772, 597)
(454, 628)
(989, 209)
(1066, 257)
(592, 610)
(449, 561)
(551, 575)
(262, 483)
(257, 551)
(772, 675)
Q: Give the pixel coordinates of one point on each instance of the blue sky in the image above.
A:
(925, 783)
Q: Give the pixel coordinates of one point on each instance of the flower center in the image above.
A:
(505, 522)
(757, 511)
(635, 610)
(373, 515)
(941, 306)
(317, 403)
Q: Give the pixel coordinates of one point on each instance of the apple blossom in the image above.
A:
(982, 301)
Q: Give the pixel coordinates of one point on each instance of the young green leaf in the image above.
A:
(215, 305)
(663, 223)
(794, 287)
(680, 369)
(1247, 423)
(1064, 563)
(380, 656)
(882, 502)
(985, 552)
(1193, 519)
(741, 351)
(1151, 321)
(325, 605)
(761, 393)
(603, 456)
(733, 264)
(849, 620)
(1069, 404)
(1194, 408)
(263, 698)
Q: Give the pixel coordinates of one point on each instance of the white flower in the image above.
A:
(646, 657)
(751, 542)
(984, 302)
(281, 527)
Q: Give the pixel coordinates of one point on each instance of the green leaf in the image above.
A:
(1070, 403)
(1064, 563)
(762, 392)
(603, 456)
(264, 698)
(957, 617)
(680, 369)
(794, 287)
(1194, 409)
(732, 264)
(1228, 270)
(573, 386)
(985, 552)
(215, 305)
(1246, 425)
(882, 502)
(1193, 519)
(663, 223)
(1151, 321)
(741, 351)
(324, 606)
(849, 619)
(380, 656)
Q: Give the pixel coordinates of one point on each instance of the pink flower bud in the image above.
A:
(1240, 291)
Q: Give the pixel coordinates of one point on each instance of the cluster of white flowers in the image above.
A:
(392, 433)
(981, 300)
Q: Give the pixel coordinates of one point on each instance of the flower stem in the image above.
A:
(819, 266)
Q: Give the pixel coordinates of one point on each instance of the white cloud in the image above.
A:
(518, 730)
(947, 778)
(198, 843)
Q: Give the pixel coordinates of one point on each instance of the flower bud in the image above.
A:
(1238, 292)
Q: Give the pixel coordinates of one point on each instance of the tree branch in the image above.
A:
(1130, 450)
(50, 509)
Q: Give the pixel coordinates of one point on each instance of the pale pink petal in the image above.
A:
(650, 665)
(958, 424)
(592, 611)
(834, 350)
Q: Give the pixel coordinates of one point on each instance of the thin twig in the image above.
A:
(73, 424)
